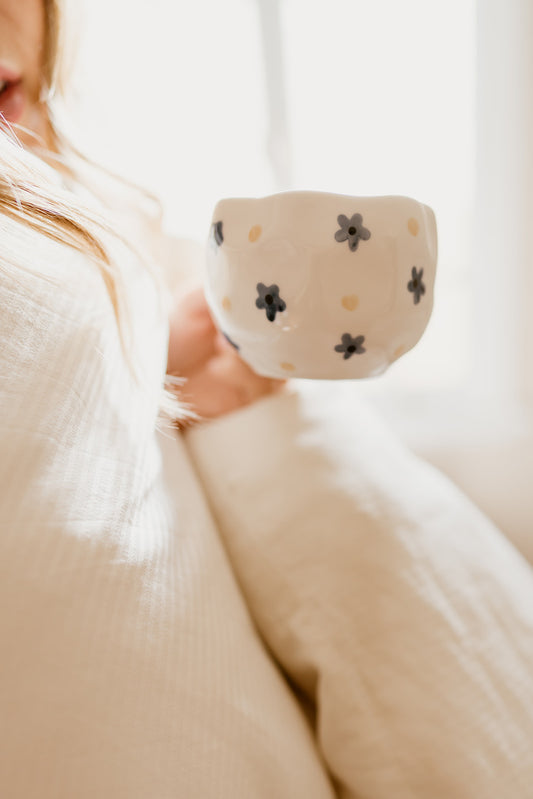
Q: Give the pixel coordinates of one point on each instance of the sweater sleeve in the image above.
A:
(401, 615)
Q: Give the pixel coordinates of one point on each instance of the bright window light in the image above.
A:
(379, 97)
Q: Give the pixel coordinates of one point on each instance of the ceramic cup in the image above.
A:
(317, 285)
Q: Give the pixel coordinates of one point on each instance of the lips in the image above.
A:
(12, 100)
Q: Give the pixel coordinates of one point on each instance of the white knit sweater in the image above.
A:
(281, 604)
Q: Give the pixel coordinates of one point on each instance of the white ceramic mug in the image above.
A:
(318, 285)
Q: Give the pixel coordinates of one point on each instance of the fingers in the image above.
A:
(193, 298)
(192, 333)
(225, 384)
(218, 381)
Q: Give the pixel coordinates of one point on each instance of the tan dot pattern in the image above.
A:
(350, 302)
(255, 232)
(413, 226)
(289, 367)
(226, 303)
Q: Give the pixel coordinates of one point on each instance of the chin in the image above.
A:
(34, 129)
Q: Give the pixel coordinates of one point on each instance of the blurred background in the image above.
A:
(208, 99)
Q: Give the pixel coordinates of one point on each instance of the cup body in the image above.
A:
(318, 285)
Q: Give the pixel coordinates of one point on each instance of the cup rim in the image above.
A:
(319, 193)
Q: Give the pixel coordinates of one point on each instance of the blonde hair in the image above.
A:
(29, 196)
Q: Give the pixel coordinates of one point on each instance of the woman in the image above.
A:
(378, 641)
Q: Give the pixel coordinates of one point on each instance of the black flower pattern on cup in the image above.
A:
(416, 285)
(230, 341)
(269, 298)
(216, 234)
(351, 230)
(350, 345)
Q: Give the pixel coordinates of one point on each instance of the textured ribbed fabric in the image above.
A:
(130, 667)
(401, 612)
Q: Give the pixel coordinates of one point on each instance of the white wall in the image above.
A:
(430, 99)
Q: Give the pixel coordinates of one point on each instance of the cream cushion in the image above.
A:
(402, 614)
